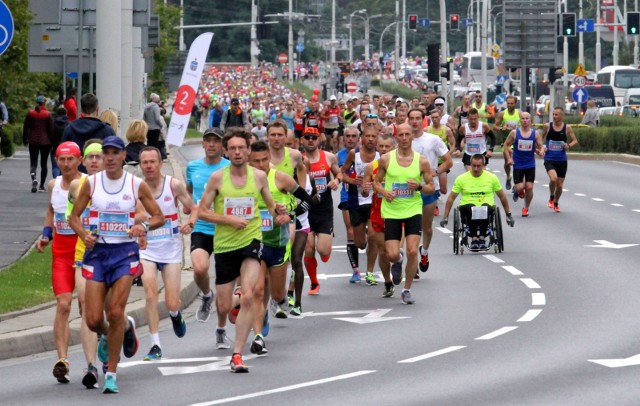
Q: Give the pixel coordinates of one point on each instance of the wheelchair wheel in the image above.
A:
(456, 230)
(498, 230)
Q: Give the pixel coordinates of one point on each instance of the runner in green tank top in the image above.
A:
(236, 191)
(445, 133)
(506, 121)
(406, 173)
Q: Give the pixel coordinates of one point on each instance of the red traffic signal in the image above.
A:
(413, 22)
(454, 22)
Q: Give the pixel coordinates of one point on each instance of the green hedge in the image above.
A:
(400, 89)
(622, 140)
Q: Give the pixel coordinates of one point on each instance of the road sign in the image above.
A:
(501, 98)
(579, 81)
(501, 79)
(586, 25)
(424, 22)
(496, 47)
(6, 27)
(467, 22)
(299, 47)
(352, 87)
(283, 58)
(580, 95)
(580, 70)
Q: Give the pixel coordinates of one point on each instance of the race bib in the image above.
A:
(62, 225)
(163, 233)
(473, 148)
(479, 212)
(85, 219)
(556, 145)
(525, 145)
(267, 220)
(333, 119)
(312, 122)
(321, 184)
(511, 125)
(239, 206)
(401, 190)
(113, 224)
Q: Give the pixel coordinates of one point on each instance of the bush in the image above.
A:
(623, 140)
(400, 89)
(12, 137)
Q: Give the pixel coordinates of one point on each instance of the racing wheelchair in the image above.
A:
(462, 236)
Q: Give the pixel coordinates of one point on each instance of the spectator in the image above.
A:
(37, 133)
(60, 122)
(70, 105)
(4, 118)
(136, 138)
(110, 117)
(591, 117)
(154, 119)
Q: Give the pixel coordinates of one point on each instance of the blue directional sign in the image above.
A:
(299, 47)
(424, 22)
(501, 79)
(586, 26)
(467, 22)
(501, 98)
(6, 27)
(580, 95)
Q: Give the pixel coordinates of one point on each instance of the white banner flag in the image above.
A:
(189, 84)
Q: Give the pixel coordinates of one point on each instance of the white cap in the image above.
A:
(399, 100)
(333, 97)
(438, 100)
(391, 114)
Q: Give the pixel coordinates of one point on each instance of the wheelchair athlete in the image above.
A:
(477, 188)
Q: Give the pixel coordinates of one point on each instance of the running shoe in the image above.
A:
(556, 208)
(296, 311)
(34, 186)
(61, 371)
(355, 278)
(202, 315)
(514, 192)
(258, 346)
(237, 365)
(265, 324)
(525, 212)
(389, 290)
(292, 300)
(130, 342)
(424, 261)
(314, 290)
(155, 353)
(281, 313)
(508, 184)
(222, 341)
(42, 189)
(416, 276)
(396, 269)
(406, 297)
(550, 204)
(436, 211)
(110, 385)
(90, 378)
(179, 325)
(370, 279)
(233, 314)
(103, 349)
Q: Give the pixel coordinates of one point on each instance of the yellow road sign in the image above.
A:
(580, 70)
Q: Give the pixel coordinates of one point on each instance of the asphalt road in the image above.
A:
(521, 327)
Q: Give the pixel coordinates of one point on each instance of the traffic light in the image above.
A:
(413, 22)
(454, 22)
(568, 24)
(633, 23)
(445, 73)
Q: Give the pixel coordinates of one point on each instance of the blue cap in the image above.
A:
(113, 141)
(40, 99)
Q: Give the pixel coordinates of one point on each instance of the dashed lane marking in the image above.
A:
(497, 333)
(538, 299)
(512, 270)
(432, 354)
(530, 315)
(530, 283)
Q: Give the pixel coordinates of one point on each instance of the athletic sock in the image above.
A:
(325, 258)
(311, 263)
(424, 251)
(551, 197)
(209, 295)
(155, 339)
(174, 314)
(352, 253)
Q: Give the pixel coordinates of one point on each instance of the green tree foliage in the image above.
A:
(169, 18)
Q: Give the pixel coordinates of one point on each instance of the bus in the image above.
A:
(620, 78)
(472, 68)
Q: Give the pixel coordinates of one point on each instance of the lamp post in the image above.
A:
(364, 10)
(366, 35)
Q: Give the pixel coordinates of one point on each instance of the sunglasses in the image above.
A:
(310, 137)
(439, 104)
(372, 115)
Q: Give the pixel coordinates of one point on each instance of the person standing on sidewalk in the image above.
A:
(37, 133)
(153, 118)
(112, 253)
(164, 247)
(56, 230)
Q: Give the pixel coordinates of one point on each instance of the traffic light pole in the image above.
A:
(635, 40)
(565, 55)
(580, 42)
(443, 51)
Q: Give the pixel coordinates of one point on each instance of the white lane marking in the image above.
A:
(580, 194)
(285, 388)
(512, 270)
(597, 199)
(176, 361)
(636, 210)
(565, 190)
(432, 354)
(499, 332)
(618, 362)
(538, 299)
(617, 204)
(444, 230)
(530, 315)
(494, 259)
(530, 283)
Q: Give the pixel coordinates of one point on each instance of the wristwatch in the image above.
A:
(146, 226)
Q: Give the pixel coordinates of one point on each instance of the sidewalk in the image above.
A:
(30, 331)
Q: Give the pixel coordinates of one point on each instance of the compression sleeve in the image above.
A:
(305, 200)
(492, 140)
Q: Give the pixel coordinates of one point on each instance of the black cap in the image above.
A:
(235, 101)
(213, 131)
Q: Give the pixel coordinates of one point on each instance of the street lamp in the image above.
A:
(364, 10)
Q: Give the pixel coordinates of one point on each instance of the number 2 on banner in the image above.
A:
(184, 100)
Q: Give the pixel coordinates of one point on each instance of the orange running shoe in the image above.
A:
(550, 204)
(525, 212)
(315, 289)
(556, 208)
(237, 365)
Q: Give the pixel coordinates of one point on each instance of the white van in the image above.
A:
(632, 96)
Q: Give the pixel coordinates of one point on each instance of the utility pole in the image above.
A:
(290, 40)
(333, 33)
(443, 48)
(396, 57)
(253, 48)
(580, 42)
(598, 45)
(404, 29)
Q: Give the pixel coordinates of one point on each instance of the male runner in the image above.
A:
(446, 135)
(322, 165)
(332, 115)
(433, 148)
(475, 135)
(112, 256)
(164, 247)
(235, 192)
(555, 135)
(359, 213)
(526, 142)
(403, 171)
(461, 113)
(483, 114)
(508, 120)
(349, 197)
(56, 229)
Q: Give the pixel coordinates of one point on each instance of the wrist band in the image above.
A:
(47, 232)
